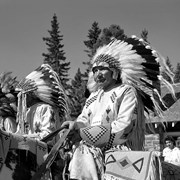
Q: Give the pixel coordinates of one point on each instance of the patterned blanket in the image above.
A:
(20, 157)
(132, 165)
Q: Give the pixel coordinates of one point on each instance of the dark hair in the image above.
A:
(170, 138)
(32, 99)
(119, 80)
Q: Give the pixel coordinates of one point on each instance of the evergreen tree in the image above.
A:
(98, 38)
(165, 76)
(177, 74)
(114, 31)
(56, 55)
(77, 94)
(93, 35)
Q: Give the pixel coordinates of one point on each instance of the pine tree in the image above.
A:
(77, 94)
(56, 55)
(93, 35)
(114, 31)
(98, 38)
(177, 74)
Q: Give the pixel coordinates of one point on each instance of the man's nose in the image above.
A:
(98, 71)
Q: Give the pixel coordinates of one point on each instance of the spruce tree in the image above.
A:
(177, 74)
(77, 94)
(93, 35)
(98, 38)
(55, 56)
(114, 31)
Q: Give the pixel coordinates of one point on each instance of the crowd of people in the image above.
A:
(121, 100)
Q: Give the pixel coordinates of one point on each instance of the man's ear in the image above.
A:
(87, 93)
(115, 74)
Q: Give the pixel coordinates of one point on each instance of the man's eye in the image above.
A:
(99, 68)
(104, 68)
(95, 70)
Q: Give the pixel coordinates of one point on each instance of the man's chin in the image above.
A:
(101, 84)
(101, 81)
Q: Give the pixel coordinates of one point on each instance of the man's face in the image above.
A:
(169, 144)
(103, 76)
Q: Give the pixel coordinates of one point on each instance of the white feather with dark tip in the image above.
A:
(46, 85)
(138, 64)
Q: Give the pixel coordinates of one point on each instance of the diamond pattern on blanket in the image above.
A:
(131, 165)
(124, 163)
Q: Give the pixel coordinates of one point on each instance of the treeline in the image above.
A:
(56, 57)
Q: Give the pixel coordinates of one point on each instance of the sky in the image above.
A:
(23, 24)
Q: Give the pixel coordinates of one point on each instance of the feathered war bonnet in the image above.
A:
(138, 65)
(42, 83)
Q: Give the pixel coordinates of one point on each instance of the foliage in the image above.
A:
(114, 31)
(56, 55)
(98, 38)
(77, 94)
(93, 35)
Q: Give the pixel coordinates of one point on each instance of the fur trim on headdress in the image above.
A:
(138, 65)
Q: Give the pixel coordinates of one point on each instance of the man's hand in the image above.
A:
(68, 124)
(31, 136)
(74, 135)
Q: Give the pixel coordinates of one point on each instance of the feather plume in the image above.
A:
(138, 64)
(45, 84)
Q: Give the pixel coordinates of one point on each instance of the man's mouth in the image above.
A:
(100, 80)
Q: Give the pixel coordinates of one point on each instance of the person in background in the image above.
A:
(114, 113)
(8, 102)
(171, 153)
(42, 103)
(178, 142)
